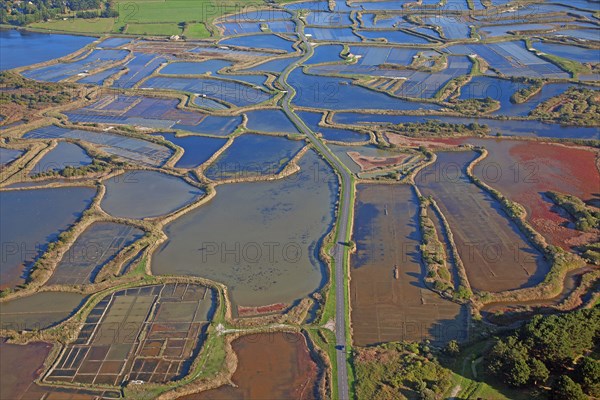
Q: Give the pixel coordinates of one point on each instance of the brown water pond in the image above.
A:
(389, 300)
(38, 311)
(261, 239)
(20, 366)
(270, 366)
(496, 255)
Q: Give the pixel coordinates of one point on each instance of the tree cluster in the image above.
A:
(586, 218)
(551, 350)
(433, 128)
(398, 371)
(27, 12)
(71, 171)
(19, 95)
(591, 252)
(574, 107)
(533, 85)
(476, 106)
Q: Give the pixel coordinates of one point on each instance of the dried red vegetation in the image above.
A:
(531, 168)
(368, 163)
(270, 366)
(565, 169)
(252, 311)
(437, 143)
(20, 366)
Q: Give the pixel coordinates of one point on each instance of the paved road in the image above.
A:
(339, 250)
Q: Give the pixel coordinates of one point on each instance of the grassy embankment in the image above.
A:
(330, 304)
(573, 67)
(400, 370)
(470, 380)
(439, 277)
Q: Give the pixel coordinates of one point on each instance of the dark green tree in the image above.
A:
(508, 360)
(559, 339)
(587, 373)
(452, 348)
(539, 373)
(566, 389)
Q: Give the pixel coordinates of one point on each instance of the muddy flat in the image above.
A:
(270, 366)
(390, 305)
(496, 255)
(20, 366)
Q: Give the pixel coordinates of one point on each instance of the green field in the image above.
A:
(166, 29)
(156, 17)
(98, 25)
(196, 31)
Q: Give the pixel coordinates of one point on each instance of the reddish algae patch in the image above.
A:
(525, 170)
(20, 366)
(270, 366)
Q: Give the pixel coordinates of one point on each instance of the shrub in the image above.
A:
(585, 218)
